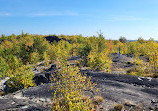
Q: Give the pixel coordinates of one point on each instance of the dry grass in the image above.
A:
(2, 93)
(85, 98)
(119, 107)
(118, 69)
(97, 100)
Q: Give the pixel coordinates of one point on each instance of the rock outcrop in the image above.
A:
(54, 38)
(114, 88)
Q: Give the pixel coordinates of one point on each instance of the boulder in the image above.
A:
(3, 83)
(42, 78)
(55, 38)
(52, 38)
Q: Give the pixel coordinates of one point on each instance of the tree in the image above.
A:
(151, 39)
(141, 40)
(22, 33)
(3, 37)
(101, 42)
(84, 51)
(100, 61)
(20, 78)
(122, 39)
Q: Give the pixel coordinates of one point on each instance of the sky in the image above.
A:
(128, 18)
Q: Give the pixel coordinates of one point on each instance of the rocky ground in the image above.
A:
(115, 88)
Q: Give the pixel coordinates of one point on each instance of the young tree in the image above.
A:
(69, 87)
(122, 39)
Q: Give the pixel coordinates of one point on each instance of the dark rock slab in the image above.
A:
(13, 104)
(54, 38)
(41, 78)
(122, 88)
(135, 80)
(41, 91)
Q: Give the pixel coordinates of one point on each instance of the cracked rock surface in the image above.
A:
(114, 88)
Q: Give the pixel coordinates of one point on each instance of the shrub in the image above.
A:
(99, 61)
(97, 100)
(46, 58)
(2, 93)
(141, 40)
(20, 78)
(3, 67)
(68, 94)
(34, 57)
(119, 107)
(84, 51)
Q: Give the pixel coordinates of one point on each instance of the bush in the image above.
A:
(46, 58)
(20, 78)
(68, 94)
(119, 107)
(97, 100)
(34, 57)
(141, 40)
(99, 61)
(84, 51)
(3, 67)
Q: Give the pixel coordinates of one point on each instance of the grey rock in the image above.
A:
(3, 83)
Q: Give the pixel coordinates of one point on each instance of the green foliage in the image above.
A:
(12, 62)
(40, 45)
(95, 53)
(99, 61)
(101, 42)
(46, 58)
(34, 57)
(139, 67)
(122, 39)
(18, 50)
(84, 51)
(153, 57)
(3, 67)
(62, 51)
(141, 40)
(3, 37)
(151, 39)
(137, 48)
(20, 78)
(68, 94)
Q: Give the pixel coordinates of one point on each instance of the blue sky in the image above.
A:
(115, 18)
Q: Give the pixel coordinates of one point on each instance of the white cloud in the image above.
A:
(41, 14)
(125, 18)
(66, 13)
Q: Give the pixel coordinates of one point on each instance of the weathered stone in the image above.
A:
(54, 38)
(3, 83)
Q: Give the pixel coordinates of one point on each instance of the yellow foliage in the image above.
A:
(21, 77)
(34, 57)
(46, 58)
(68, 94)
(7, 44)
(99, 61)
